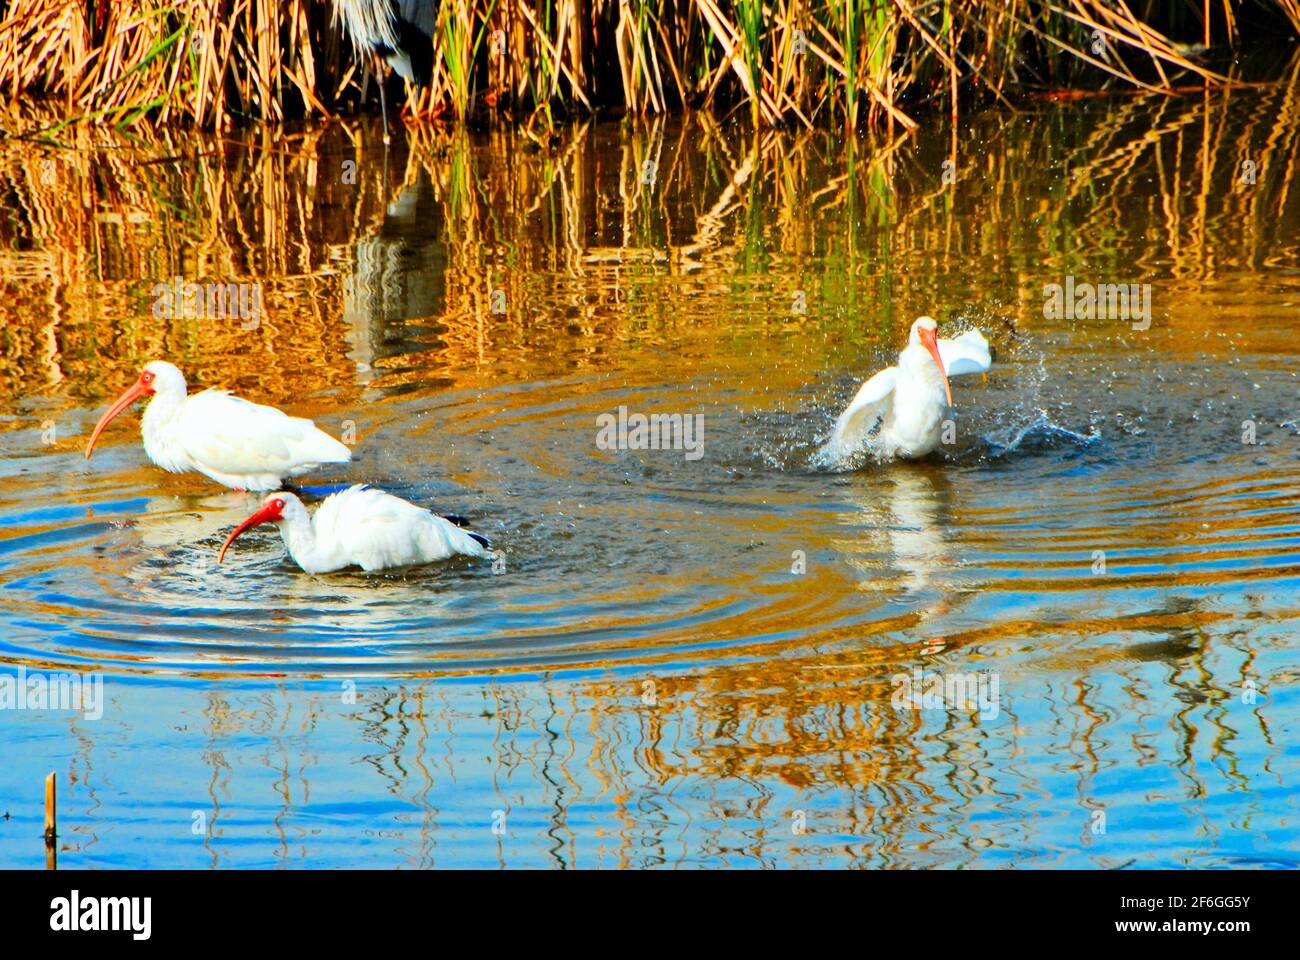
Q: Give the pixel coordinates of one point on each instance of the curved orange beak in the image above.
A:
(268, 514)
(930, 340)
(135, 392)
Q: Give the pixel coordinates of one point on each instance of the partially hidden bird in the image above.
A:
(239, 444)
(900, 412)
(361, 527)
(396, 32)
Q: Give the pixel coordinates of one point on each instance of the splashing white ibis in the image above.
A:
(900, 411)
(361, 527)
(242, 445)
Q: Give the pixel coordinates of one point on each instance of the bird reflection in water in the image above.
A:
(398, 277)
(902, 533)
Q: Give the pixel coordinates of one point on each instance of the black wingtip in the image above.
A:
(481, 539)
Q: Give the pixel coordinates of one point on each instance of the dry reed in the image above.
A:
(785, 62)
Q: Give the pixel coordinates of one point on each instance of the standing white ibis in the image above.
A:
(237, 443)
(361, 527)
(900, 411)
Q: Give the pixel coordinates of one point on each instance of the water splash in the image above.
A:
(1039, 435)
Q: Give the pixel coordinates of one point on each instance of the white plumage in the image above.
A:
(900, 411)
(243, 445)
(379, 26)
(361, 527)
(397, 31)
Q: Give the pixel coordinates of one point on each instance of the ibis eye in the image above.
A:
(279, 504)
(148, 377)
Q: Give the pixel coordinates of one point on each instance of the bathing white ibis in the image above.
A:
(361, 527)
(240, 444)
(900, 411)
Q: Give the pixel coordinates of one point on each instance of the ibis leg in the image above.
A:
(383, 100)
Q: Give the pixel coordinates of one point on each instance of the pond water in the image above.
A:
(685, 657)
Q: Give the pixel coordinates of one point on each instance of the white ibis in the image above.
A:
(361, 527)
(900, 411)
(240, 444)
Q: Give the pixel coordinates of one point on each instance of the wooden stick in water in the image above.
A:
(51, 823)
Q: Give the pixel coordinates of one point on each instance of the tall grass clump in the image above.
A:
(784, 62)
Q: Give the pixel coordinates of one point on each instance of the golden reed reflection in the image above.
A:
(744, 749)
(619, 217)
